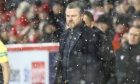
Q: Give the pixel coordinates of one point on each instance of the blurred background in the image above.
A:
(38, 21)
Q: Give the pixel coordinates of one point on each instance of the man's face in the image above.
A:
(102, 26)
(134, 36)
(119, 28)
(73, 17)
(57, 9)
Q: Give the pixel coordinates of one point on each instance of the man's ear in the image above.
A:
(82, 16)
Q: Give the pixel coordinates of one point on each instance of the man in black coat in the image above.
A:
(78, 61)
(128, 59)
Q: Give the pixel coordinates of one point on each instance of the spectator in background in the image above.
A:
(58, 17)
(105, 48)
(22, 24)
(88, 19)
(78, 61)
(124, 39)
(136, 21)
(122, 7)
(23, 9)
(121, 27)
(33, 35)
(44, 16)
(109, 7)
(128, 59)
(136, 5)
(13, 36)
(2, 3)
(21, 27)
(4, 65)
(4, 36)
(97, 9)
(49, 33)
(4, 33)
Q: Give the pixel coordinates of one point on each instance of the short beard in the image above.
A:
(71, 25)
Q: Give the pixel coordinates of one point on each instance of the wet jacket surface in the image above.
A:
(128, 64)
(79, 63)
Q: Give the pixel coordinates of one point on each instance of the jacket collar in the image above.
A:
(131, 47)
(77, 31)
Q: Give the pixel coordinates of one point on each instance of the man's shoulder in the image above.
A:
(86, 29)
(122, 51)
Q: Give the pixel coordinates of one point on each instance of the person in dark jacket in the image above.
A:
(104, 32)
(128, 59)
(88, 19)
(78, 62)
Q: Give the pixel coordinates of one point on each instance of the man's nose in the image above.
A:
(70, 17)
(133, 36)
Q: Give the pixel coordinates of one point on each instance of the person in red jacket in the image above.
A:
(121, 27)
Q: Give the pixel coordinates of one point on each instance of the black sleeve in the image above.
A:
(58, 68)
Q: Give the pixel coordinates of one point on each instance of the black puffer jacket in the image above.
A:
(106, 55)
(128, 64)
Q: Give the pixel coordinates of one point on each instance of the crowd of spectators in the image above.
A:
(43, 20)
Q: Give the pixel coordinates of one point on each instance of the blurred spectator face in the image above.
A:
(25, 39)
(119, 28)
(107, 7)
(124, 38)
(4, 35)
(136, 4)
(134, 36)
(136, 22)
(57, 8)
(122, 8)
(43, 11)
(4, 29)
(23, 9)
(102, 26)
(43, 15)
(50, 28)
(33, 36)
(73, 17)
(13, 38)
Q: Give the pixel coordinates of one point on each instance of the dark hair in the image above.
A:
(98, 3)
(57, 3)
(109, 2)
(123, 19)
(89, 15)
(104, 19)
(37, 2)
(76, 4)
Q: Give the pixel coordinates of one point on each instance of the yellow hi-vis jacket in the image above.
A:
(3, 53)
